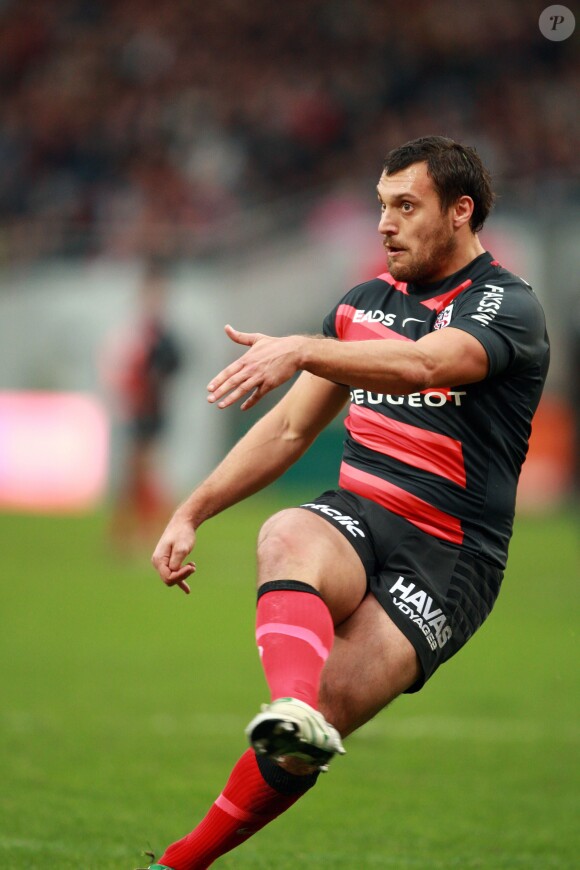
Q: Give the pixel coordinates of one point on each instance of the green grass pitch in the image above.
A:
(123, 706)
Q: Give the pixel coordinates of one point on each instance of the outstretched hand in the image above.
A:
(267, 364)
(176, 542)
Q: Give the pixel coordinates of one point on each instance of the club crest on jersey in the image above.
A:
(444, 317)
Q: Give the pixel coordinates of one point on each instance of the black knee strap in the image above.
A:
(290, 585)
(282, 781)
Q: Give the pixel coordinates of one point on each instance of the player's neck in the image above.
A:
(464, 254)
(468, 250)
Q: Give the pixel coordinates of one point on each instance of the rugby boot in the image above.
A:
(289, 727)
(154, 866)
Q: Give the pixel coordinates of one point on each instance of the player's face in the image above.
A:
(418, 237)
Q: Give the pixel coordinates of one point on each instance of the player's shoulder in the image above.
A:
(368, 298)
(501, 300)
(491, 271)
(492, 281)
(375, 288)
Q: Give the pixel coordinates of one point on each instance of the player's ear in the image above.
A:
(462, 211)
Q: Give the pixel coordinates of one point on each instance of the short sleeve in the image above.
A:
(508, 320)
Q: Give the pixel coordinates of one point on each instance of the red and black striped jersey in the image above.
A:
(447, 459)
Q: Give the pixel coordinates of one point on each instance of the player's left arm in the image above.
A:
(446, 357)
(453, 357)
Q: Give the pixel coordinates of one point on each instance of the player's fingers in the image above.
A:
(177, 555)
(160, 561)
(225, 374)
(236, 380)
(184, 571)
(254, 398)
(247, 338)
(169, 574)
(176, 578)
(246, 387)
(179, 578)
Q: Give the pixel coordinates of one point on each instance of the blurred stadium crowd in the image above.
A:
(131, 126)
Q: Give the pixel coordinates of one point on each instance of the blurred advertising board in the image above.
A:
(54, 450)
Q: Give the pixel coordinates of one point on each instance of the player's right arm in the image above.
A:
(270, 447)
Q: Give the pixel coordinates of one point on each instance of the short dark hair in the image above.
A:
(456, 170)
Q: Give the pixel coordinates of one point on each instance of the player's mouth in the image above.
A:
(393, 250)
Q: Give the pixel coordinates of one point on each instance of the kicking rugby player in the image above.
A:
(365, 590)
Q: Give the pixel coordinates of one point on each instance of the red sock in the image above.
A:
(295, 633)
(246, 804)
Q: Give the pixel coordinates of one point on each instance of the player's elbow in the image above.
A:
(296, 437)
(418, 374)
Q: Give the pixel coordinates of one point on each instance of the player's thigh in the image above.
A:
(371, 663)
(298, 545)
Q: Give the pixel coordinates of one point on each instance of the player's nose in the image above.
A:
(387, 223)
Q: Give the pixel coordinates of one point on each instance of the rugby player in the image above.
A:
(365, 590)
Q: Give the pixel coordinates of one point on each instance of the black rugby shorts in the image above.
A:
(435, 592)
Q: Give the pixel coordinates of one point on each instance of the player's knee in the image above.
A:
(277, 541)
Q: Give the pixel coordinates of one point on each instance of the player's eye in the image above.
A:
(406, 206)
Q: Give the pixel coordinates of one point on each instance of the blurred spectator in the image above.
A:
(128, 125)
(138, 367)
